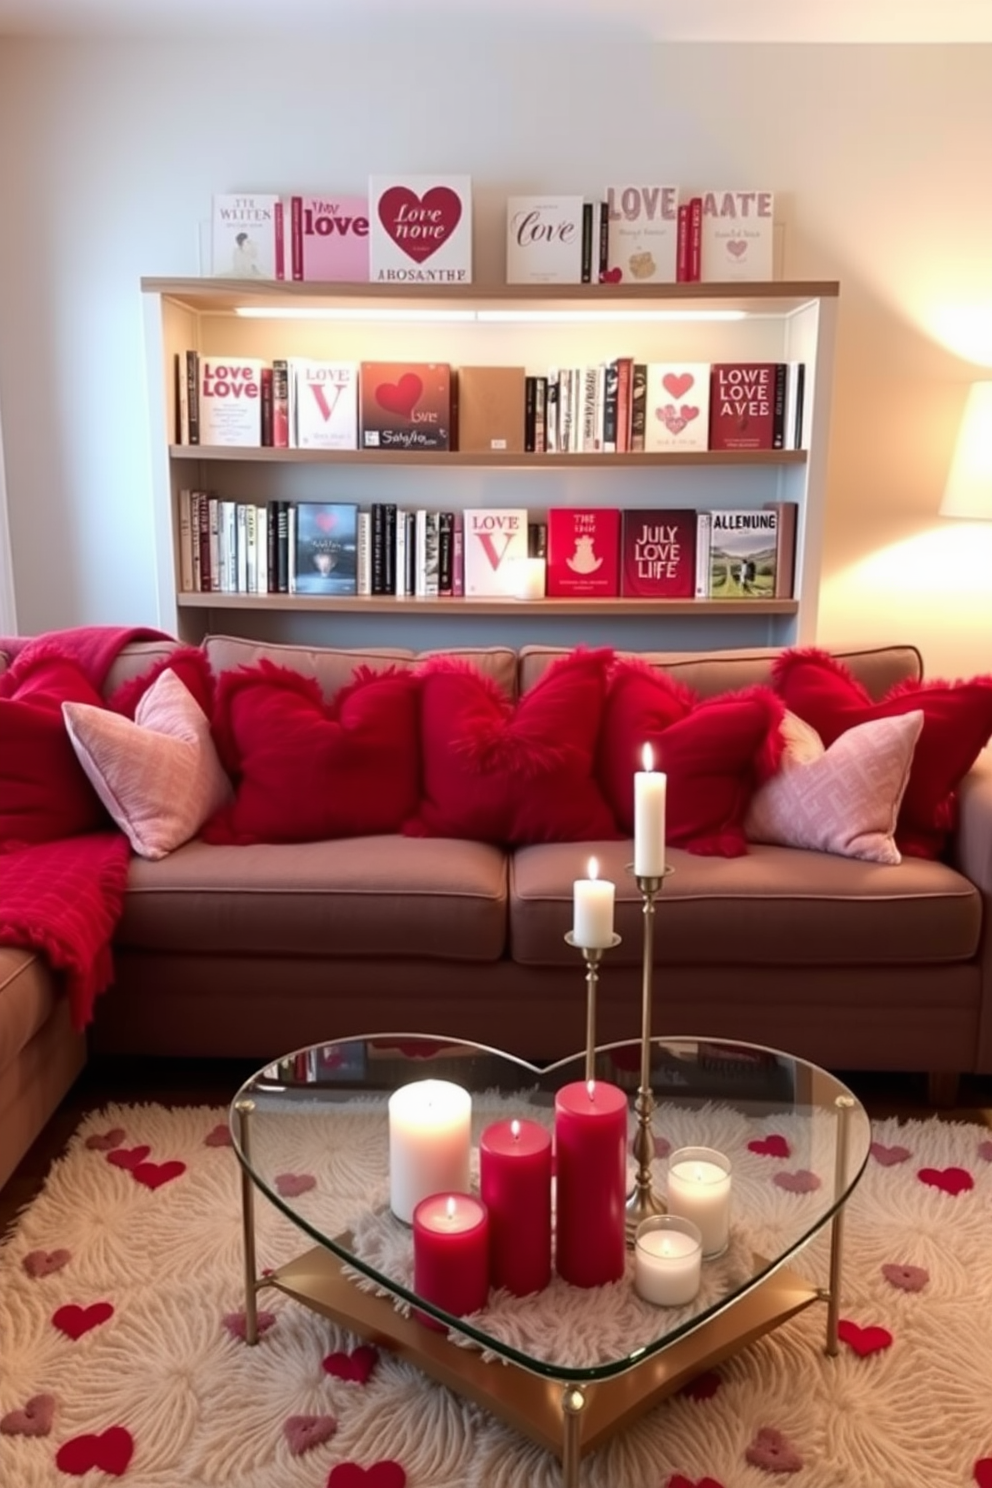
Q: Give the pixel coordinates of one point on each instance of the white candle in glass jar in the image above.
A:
(430, 1139)
(528, 578)
(592, 914)
(668, 1254)
(699, 1190)
(649, 818)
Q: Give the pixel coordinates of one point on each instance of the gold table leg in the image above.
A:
(244, 1108)
(573, 1402)
(844, 1105)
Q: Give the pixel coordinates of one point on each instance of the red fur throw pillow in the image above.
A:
(304, 770)
(511, 775)
(957, 724)
(714, 753)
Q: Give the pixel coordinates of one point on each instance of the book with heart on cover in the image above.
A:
(405, 406)
(420, 229)
(643, 234)
(737, 236)
(677, 406)
(326, 547)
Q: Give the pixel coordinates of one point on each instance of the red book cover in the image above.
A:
(583, 552)
(682, 246)
(695, 237)
(659, 554)
(742, 405)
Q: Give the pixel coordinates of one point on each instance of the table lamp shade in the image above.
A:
(968, 492)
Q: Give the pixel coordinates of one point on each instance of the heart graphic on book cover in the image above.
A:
(420, 225)
(678, 384)
(611, 276)
(736, 247)
(400, 397)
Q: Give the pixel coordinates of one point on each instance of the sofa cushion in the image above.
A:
(778, 906)
(29, 991)
(379, 897)
(136, 660)
(188, 663)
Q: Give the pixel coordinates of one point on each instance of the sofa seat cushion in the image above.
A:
(775, 907)
(28, 994)
(362, 896)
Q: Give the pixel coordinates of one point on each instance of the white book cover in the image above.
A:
(231, 400)
(678, 406)
(420, 229)
(363, 559)
(324, 404)
(494, 540)
(737, 236)
(262, 541)
(643, 234)
(544, 240)
(248, 239)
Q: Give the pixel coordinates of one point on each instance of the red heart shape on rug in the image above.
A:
(220, 1136)
(889, 1156)
(703, 1387)
(303, 1433)
(128, 1158)
(949, 1180)
(772, 1452)
(106, 1141)
(153, 1175)
(420, 225)
(236, 1323)
(906, 1278)
(611, 276)
(379, 1475)
(291, 1185)
(863, 1341)
(110, 1450)
(773, 1146)
(983, 1472)
(400, 397)
(677, 383)
(985, 1151)
(74, 1321)
(33, 1419)
(679, 1481)
(737, 247)
(38, 1263)
(800, 1182)
(357, 1366)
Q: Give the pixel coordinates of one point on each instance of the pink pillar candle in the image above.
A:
(451, 1254)
(591, 1182)
(515, 1183)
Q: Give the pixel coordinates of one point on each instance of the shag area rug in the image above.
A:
(122, 1355)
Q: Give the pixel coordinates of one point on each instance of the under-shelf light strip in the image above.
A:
(503, 316)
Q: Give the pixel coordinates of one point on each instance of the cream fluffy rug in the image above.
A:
(156, 1390)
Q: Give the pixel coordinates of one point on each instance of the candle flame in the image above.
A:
(698, 1175)
(515, 1129)
(593, 869)
(666, 1247)
(591, 1088)
(647, 756)
(450, 1208)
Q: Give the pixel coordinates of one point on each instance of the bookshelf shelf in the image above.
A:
(390, 604)
(454, 459)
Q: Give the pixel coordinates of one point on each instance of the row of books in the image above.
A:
(333, 548)
(613, 407)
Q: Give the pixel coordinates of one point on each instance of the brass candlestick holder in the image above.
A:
(643, 1201)
(592, 955)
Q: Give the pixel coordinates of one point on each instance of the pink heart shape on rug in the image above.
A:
(949, 1180)
(291, 1185)
(772, 1452)
(74, 1321)
(219, 1137)
(106, 1141)
(303, 1433)
(800, 1182)
(889, 1156)
(985, 1151)
(33, 1419)
(678, 1480)
(109, 1450)
(863, 1341)
(906, 1278)
(703, 1387)
(237, 1325)
(773, 1146)
(356, 1366)
(379, 1475)
(128, 1158)
(983, 1472)
(38, 1263)
(153, 1175)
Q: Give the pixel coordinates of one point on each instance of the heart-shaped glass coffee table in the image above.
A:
(311, 1132)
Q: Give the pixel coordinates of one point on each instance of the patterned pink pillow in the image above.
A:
(158, 776)
(844, 799)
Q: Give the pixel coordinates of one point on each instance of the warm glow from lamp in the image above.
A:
(968, 492)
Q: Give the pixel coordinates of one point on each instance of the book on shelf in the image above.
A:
(677, 406)
(747, 405)
(405, 405)
(544, 239)
(737, 241)
(230, 400)
(248, 237)
(785, 548)
(743, 552)
(659, 553)
(324, 404)
(325, 548)
(583, 552)
(420, 229)
(795, 398)
(329, 238)
(494, 539)
(642, 234)
(490, 410)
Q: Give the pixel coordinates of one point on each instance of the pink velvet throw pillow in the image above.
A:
(306, 771)
(843, 800)
(158, 775)
(512, 774)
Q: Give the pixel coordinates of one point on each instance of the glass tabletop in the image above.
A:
(319, 1150)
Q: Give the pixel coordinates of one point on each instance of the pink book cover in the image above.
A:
(330, 239)
(583, 552)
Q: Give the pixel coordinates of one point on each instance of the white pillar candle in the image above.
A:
(430, 1140)
(668, 1255)
(528, 578)
(592, 914)
(649, 818)
(699, 1189)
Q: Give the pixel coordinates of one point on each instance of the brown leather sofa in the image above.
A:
(254, 951)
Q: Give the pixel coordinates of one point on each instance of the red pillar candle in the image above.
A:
(515, 1184)
(591, 1177)
(451, 1254)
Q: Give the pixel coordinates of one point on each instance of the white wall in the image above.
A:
(880, 158)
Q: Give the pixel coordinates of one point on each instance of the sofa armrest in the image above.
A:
(971, 854)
